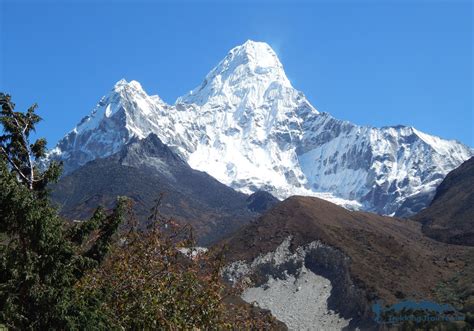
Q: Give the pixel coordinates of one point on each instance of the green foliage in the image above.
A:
(107, 229)
(39, 263)
(459, 291)
(21, 156)
(78, 234)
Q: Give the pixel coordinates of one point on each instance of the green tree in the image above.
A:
(41, 260)
(22, 157)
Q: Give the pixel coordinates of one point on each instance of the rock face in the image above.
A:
(261, 201)
(365, 257)
(247, 126)
(450, 216)
(142, 170)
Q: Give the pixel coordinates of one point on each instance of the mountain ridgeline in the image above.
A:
(247, 126)
(145, 169)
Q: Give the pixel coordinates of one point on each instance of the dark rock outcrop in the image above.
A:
(143, 170)
(261, 201)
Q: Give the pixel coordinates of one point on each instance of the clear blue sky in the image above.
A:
(370, 62)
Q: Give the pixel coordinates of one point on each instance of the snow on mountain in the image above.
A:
(251, 120)
(391, 170)
(249, 128)
(127, 111)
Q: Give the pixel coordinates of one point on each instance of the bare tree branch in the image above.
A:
(24, 141)
(18, 170)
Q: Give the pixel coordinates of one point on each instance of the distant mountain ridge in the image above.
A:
(246, 126)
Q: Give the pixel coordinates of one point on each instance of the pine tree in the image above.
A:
(22, 156)
(41, 259)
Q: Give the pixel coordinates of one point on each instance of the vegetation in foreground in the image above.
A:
(100, 273)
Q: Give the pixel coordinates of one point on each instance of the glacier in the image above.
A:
(249, 128)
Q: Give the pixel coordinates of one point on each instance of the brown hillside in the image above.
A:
(390, 258)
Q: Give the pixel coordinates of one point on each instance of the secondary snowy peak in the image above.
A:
(111, 104)
(125, 112)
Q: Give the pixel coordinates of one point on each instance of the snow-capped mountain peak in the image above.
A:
(127, 111)
(249, 128)
(132, 90)
(112, 103)
(249, 76)
(259, 53)
(250, 116)
(122, 83)
(258, 58)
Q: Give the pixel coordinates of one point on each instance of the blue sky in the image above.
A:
(370, 62)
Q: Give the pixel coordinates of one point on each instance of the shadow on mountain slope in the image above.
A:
(450, 216)
(143, 170)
